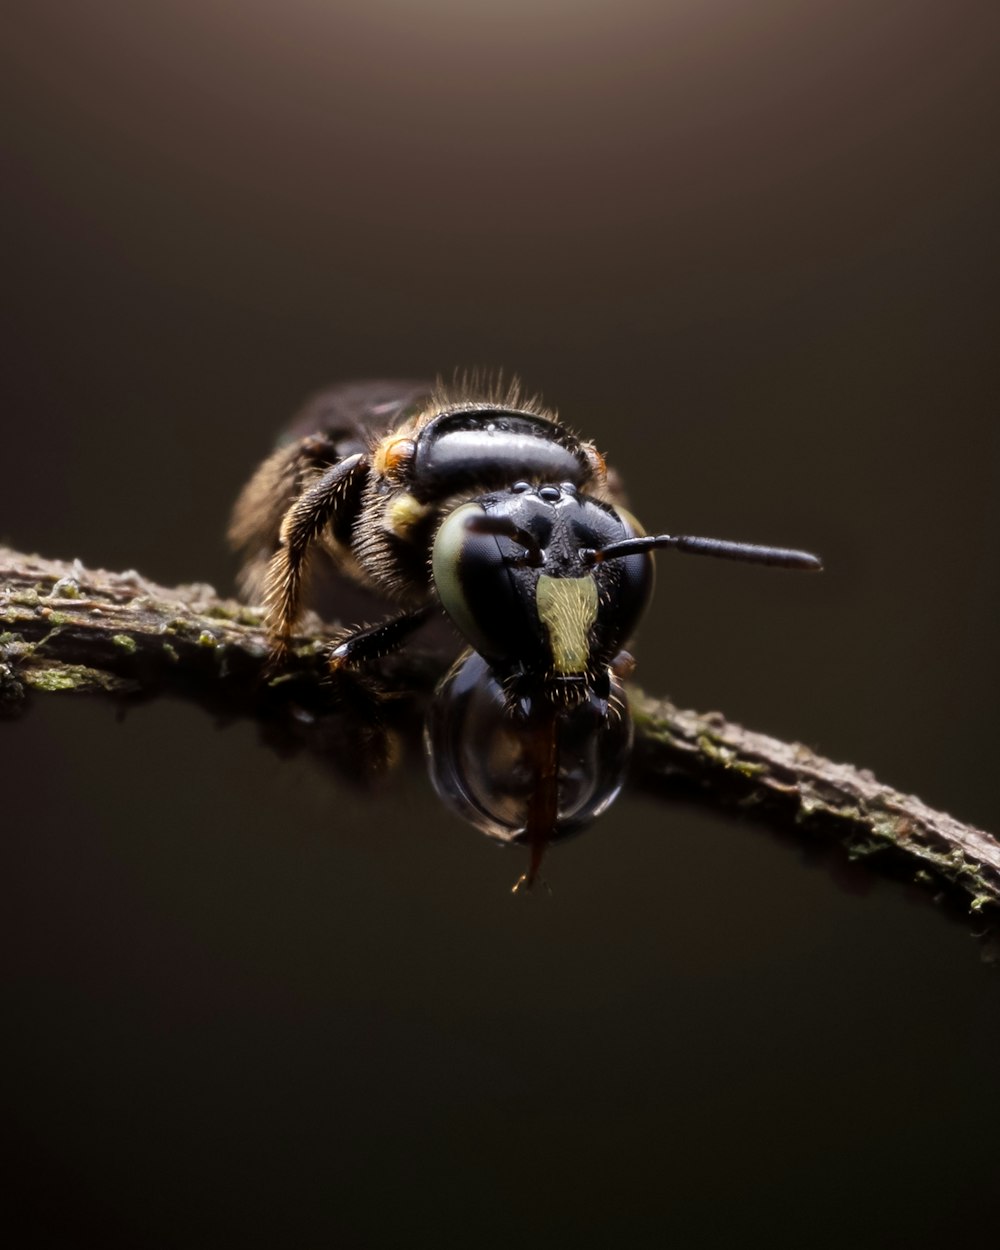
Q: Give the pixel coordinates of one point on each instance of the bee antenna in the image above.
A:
(750, 553)
(504, 527)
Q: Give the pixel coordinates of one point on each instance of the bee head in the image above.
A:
(515, 572)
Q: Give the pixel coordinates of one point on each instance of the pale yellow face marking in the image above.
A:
(403, 513)
(567, 607)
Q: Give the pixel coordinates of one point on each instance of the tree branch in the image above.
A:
(69, 628)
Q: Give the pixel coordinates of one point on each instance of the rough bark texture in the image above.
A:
(791, 785)
(67, 628)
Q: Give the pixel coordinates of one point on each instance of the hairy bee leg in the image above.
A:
(360, 694)
(303, 523)
(374, 641)
(255, 527)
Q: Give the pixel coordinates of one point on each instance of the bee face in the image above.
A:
(510, 569)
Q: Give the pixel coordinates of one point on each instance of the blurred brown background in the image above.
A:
(751, 250)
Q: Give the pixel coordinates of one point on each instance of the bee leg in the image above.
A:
(360, 695)
(303, 523)
(374, 641)
(255, 528)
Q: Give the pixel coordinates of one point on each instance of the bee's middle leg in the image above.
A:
(365, 645)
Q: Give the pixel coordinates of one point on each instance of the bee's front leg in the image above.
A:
(314, 510)
(368, 643)
(361, 695)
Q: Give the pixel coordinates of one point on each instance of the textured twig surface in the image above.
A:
(64, 627)
(792, 785)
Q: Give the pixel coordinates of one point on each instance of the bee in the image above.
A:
(472, 500)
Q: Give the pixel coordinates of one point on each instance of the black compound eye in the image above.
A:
(635, 588)
(485, 584)
(630, 580)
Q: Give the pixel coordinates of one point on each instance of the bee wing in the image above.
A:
(332, 425)
(354, 414)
